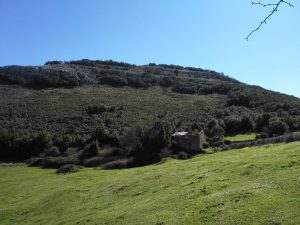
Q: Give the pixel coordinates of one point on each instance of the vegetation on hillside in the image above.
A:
(111, 114)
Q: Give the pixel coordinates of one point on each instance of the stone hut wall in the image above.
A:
(189, 141)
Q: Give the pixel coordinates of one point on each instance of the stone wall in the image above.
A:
(189, 141)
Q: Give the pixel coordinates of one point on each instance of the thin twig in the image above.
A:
(275, 9)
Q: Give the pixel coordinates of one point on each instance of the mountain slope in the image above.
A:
(66, 109)
(189, 95)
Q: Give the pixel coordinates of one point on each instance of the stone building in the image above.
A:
(190, 141)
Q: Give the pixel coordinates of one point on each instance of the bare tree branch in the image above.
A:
(274, 10)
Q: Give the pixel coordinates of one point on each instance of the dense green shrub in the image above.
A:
(35, 161)
(53, 62)
(131, 140)
(212, 123)
(145, 143)
(238, 99)
(7, 79)
(278, 127)
(90, 150)
(68, 168)
(185, 89)
(137, 83)
(166, 81)
(119, 164)
(183, 156)
(99, 109)
(52, 80)
(217, 130)
(84, 62)
(41, 141)
(262, 135)
(53, 151)
(95, 161)
(232, 124)
(216, 141)
(104, 136)
(157, 137)
(246, 124)
(52, 162)
(63, 141)
(216, 88)
(116, 81)
(262, 121)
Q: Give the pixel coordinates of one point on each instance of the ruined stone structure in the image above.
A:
(190, 141)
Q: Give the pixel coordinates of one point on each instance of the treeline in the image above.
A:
(136, 147)
(266, 124)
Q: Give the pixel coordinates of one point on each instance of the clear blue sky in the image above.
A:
(201, 33)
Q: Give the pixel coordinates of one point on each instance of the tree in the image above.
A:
(217, 130)
(274, 10)
(278, 127)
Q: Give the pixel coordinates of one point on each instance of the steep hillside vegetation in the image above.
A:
(96, 112)
(250, 186)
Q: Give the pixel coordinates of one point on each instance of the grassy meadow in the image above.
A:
(257, 185)
(241, 137)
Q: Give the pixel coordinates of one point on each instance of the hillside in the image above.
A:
(250, 186)
(75, 110)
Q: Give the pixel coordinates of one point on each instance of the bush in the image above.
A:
(232, 125)
(63, 141)
(238, 99)
(185, 89)
(90, 150)
(7, 79)
(119, 164)
(216, 141)
(34, 161)
(183, 156)
(137, 83)
(84, 62)
(53, 62)
(71, 152)
(116, 81)
(40, 142)
(53, 151)
(99, 109)
(246, 124)
(52, 162)
(56, 162)
(278, 127)
(157, 137)
(262, 121)
(104, 137)
(217, 130)
(68, 168)
(262, 135)
(166, 82)
(212, 123)
(95, 161)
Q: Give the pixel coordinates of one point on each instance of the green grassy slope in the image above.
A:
(241, 137)
(249, 186)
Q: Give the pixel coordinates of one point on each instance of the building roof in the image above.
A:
(179, 133)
